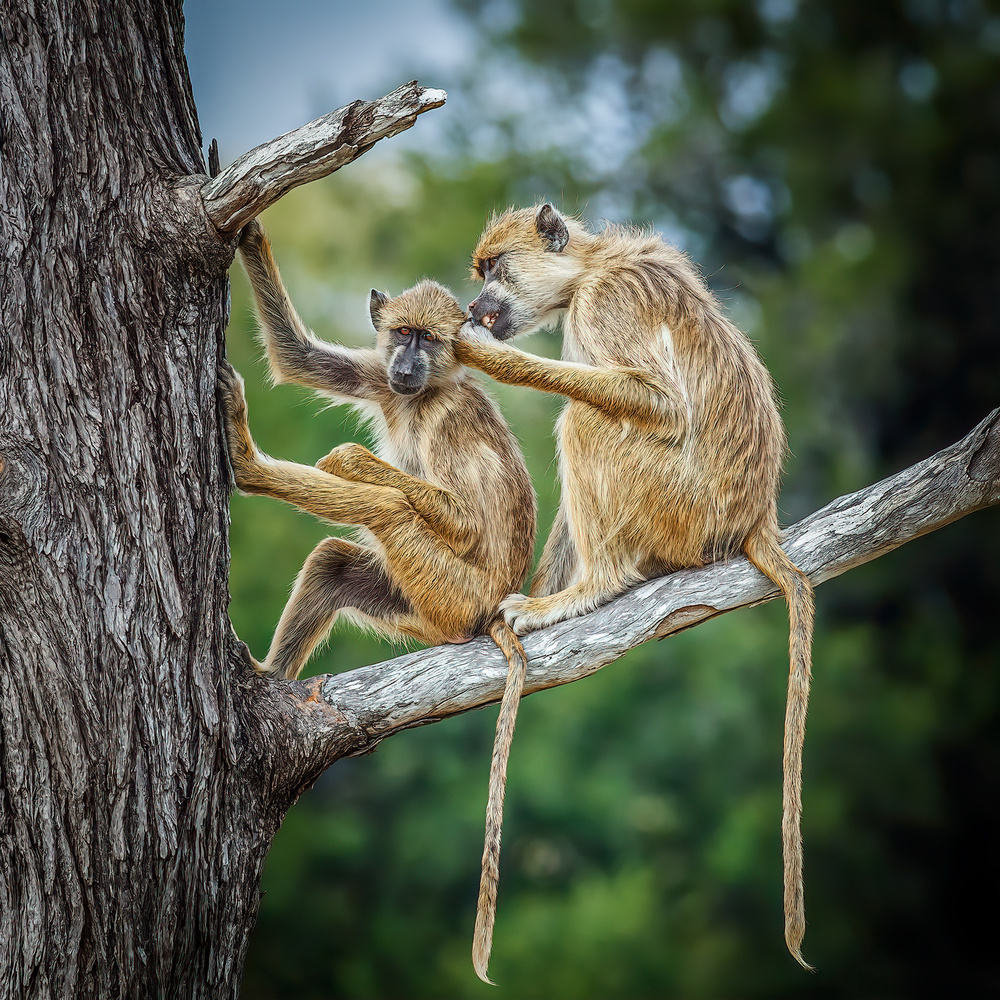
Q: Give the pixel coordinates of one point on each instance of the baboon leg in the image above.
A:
(559, 561)
(454, 598)
(328, 497)
(338, 575)
(375, 505)
(439, 507)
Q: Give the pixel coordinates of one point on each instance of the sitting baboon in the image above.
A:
(670, 447)
(445, 512)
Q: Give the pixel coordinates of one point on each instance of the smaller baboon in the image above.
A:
(670, 447)
(445, 513)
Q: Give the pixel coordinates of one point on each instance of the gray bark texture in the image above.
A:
(144, 767)
(259, 178)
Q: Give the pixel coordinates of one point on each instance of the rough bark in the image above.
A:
(139, 757)
(259, 178)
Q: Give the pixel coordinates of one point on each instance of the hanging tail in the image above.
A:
(766, 554)
(517, 663)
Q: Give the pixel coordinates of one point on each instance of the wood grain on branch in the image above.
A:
(373, 702)
(259, 178)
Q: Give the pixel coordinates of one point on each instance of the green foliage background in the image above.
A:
(835, 169)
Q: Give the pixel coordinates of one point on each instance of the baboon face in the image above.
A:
(415, 332)
(525, 272)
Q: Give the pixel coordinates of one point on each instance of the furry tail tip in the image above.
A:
(793, 939)
(486, 909)
(481, 955)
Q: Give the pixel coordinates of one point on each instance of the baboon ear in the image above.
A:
(551, 228)
(375, 305)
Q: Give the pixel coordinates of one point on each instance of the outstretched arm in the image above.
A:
(294, 353)
(622, 393)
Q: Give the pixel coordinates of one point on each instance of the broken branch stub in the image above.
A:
(260, 177)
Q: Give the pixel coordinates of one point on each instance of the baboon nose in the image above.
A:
(472, 307)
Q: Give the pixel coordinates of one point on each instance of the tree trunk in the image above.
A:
(133, 820)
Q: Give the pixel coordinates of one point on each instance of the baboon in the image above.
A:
(446, 513)
(670, 447)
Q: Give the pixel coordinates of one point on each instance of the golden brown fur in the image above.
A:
(447, 513)
(670, 447)
(446, 507)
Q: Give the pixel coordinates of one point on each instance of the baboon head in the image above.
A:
(527, 265)
(415, 333)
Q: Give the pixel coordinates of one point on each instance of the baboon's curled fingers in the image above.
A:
(348, 461)
(242, 448)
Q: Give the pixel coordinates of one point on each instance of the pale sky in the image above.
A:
(261, 68)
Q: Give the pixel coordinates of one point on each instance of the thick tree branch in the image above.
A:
(259, 178)
(349, 713)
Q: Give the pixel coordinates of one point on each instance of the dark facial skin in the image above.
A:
(412, 361)
(497, 308)
(488, 308)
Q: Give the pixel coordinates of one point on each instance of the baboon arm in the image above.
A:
(294, 353)
(623, 393)
(439, 507)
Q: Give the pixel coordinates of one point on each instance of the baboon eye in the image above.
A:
(491, 262)
(404, 331)
(426, 335)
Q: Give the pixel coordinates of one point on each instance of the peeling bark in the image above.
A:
(259, 178)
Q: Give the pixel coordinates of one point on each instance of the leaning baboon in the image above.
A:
(670, 447)
(446, 512)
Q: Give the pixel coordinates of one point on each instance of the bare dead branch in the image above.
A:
(259, 178)
(350, 712)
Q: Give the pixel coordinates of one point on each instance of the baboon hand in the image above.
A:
(471, 330)
(529, 614)
(477, 347)
(348, 461)
(510, 608)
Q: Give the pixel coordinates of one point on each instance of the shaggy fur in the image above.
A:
(446, 510)
(670, 447)
(446, 507)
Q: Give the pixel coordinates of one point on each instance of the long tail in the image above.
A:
(517, 663)
(766, 554)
